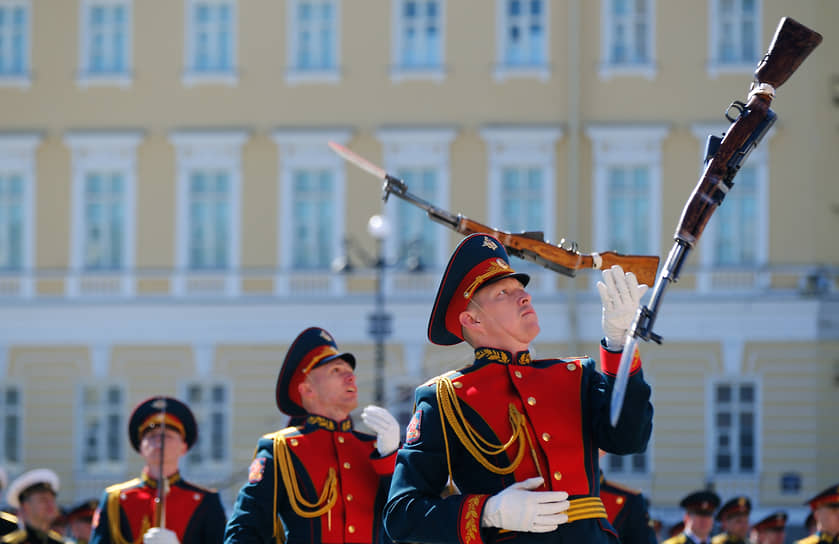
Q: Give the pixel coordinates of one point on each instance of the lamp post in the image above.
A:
(379, 322)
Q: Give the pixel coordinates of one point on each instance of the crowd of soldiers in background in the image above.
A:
(73, 523)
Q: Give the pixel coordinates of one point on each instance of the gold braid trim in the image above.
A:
(475, 444)
(586, 508)
(328, 496)
(113, 510)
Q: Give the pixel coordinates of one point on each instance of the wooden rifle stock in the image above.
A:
(791, 44)
(532, 247)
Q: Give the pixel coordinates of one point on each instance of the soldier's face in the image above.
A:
(737, 525)
(700, 524)
(330, 390)
(40, 508)
(828, 518)
(152, 444)
(771, 537)
(504, 309)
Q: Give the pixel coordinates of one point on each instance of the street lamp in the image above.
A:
(379, 325)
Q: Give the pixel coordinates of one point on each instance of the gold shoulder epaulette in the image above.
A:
(678, 539)
(436, 379)
(123, 485)
(8, 517)
(15, 537)
(812, 539)
(721, 538)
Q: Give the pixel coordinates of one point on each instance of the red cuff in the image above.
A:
(469, 524)
(384, 465)
(610, 361)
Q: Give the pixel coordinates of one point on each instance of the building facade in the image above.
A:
(171, 216)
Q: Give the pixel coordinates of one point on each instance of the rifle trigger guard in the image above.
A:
(740, 107)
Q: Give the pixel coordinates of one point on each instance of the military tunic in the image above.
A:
(550, 415)
(127, 510)
(726, 538)
(30, 535)
(627, 511)
(326, 481)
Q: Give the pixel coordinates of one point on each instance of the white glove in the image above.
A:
(159, 535)
(621, 297)
(517, 509)
(385, 426)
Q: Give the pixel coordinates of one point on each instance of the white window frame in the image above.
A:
(504, 71)
(199, 150)
(21, 81)
(608, 68)
(17, 155)
(86, 77)
(515, 146)
(752, 477)
(294, 74)
(759, 159)
(7, 384)
(103, 467)
(398, 71)
(418, 148)
(625, 145)
(193, 77)
(115, 151)
(715, 66)
(308, 149)
(209, 469)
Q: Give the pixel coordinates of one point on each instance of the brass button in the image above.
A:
(340, 439)
(293, 441)
(457, 385)
(517, 374)
(351, 529)
(620, 500)
(546, 437)
(557, 475)
(531, 401)
(346, 465)
(571, 366)
(349, 497)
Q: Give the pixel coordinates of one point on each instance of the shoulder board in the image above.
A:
(123, 485)
(678, 539)
(435, 379)
(15, 537)
(721, 538)
(8, 517)
(620, 488)
(812, 539)
(282, 433)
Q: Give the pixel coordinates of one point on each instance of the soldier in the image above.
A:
(161, 430)
(515, 438)
(770, 530)
(627, 511)
(698, 520)
(320, 481)
(825, 507)
(78, 521)
(734, 520)
(8, 521)
(33, 495)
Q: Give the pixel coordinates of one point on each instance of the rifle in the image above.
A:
(162, 481)
(790, 45)
(530, 246)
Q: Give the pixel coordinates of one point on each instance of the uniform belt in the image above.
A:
(586, 508)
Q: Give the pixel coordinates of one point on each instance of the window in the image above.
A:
(104, 167)
(105, 41)
(311, 181)
(637, 464)
(420, 158)
(734, 424)
(313, 40)
(522, 38)
(522, 178)
(211, 41)
(627, 36)
(14, 42)
(17, 209)
(734, 35)
(11, 426)
(208, 211)
(103, 429)
(735, 243)
(211, 406)
(418, 36)
(627, 183)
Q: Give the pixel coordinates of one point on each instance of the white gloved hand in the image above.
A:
(518, 509)
(621, 297)
(385, 426)
(159, 535)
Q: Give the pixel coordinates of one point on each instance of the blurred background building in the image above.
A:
(171, 216)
